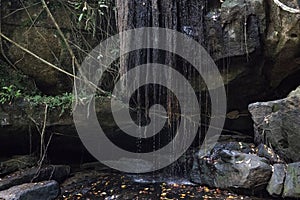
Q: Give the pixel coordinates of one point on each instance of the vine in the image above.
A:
(286, 8)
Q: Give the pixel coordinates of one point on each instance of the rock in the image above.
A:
(292, 181)
(263, 150)
(17, 119)
(81, 182)
(236, 146)
(282, 42)
(55, 172)
(227, 33)
(47, 190)
(97, 166)
(277, 124)
(17, 163)
(231, 169)
(48, 45)
(36, 32)
(243, 23)
(275, 185)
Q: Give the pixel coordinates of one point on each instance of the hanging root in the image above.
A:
(286, 8)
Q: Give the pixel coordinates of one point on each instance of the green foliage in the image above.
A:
(90, 13)
(87, 10)
(14, 85)
(12, 82)
(9, 93)
(63, 102)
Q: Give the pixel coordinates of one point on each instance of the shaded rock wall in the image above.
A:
(282, 42)
(28, 24)
(253, 42)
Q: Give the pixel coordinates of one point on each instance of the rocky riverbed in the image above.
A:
(105, 184)
(232, 170)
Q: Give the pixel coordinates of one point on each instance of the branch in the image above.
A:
(286, 8)
(74, 60)
(42, 149)
(60, 33)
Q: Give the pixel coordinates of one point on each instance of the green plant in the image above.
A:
(91, 13)
(62, 102)
(9, 93)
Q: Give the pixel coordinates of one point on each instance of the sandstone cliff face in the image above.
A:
(253, 38)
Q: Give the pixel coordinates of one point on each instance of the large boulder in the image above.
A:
(277, 124)
(231, 169)
(47, 190)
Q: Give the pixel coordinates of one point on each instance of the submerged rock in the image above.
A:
(292, 181)
(231, 169)
(47, 190)
(275, 185)
(277, 124)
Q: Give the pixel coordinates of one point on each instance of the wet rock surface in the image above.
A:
(47, 190)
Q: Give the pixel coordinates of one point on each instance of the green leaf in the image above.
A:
(103, 6)
(80, 17)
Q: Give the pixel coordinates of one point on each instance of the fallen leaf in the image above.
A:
(206, 189)
(123, 186)
(163, 194)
